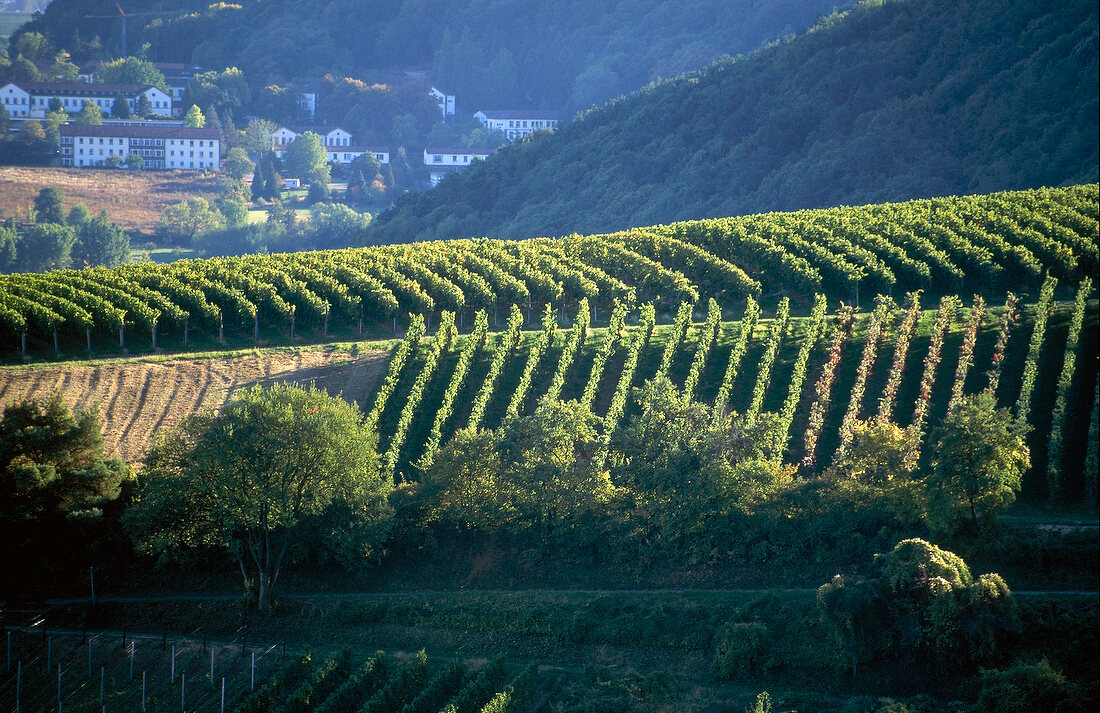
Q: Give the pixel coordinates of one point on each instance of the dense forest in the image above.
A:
(561, 54)
(887, 101)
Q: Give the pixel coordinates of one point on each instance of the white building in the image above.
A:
(445, 101)
(159, 146)
(176, 77)
(307, 99)
(444, 161)
(32, 99)
(517, 124)
(337, 142)
(347, 154)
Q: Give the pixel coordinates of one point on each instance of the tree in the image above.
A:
(9, 248)
(233, 210)
(49, 205)
(134, 161)
(90, 114)
(921, 599)
(52, 462)
(59, 493)
(55, 105)
(32, 132)
(306, 157)
(881, 453)
(46, 246)
(977, 464)
(144, 107)
(535, 471)
(259, 137)
(194, 118)
(182, 221)
(79, 215)
(120, 108)
(5, 123)
(276, 463)
(681, 469)
(237, 165)
(63, 67)
(318, 192)
(101, 242)
(131, 70)
(33, 46)
(259, 186)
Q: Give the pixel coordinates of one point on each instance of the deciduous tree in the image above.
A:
(977, 464)
(275, 463)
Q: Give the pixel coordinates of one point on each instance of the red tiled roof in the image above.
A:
(139, 132)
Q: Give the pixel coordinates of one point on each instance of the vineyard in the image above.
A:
(899, 363)
(93, 672)
(940, 246)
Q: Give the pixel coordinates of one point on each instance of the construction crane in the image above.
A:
(123, 16)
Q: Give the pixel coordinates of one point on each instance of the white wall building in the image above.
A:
(159, 146)
(32, 99)
(517, 124)
(445, 101)
(337, 142)
(444, 161)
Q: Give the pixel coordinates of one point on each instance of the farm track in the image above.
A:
(137, 398)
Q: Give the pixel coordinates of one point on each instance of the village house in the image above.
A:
(337, 142)
(307, 99)
(445, 101)
(164, 147)
(517, 124)
(444, 161)
(32, 99)
(176, 77)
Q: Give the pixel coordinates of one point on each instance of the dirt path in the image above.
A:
(136, 398)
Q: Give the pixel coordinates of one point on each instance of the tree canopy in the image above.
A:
(977, 466)
(277, 464)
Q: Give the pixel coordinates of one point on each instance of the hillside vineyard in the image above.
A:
(940, 246)
(919, 349)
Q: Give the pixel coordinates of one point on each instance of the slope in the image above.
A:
(888, 101)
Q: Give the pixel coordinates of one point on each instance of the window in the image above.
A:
(437, 158)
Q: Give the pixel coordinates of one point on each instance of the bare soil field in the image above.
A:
(136, 398)
(133, 199)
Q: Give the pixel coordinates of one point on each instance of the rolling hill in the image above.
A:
(888, 101)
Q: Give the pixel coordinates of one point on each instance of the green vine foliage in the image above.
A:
(1065, 380)
(506, 344)
(798, 376)
(440, 345)
(474, 343)
(538, 348)
(771, 349)
(1035, 348)
(405, 349)
(573, 342)
(706, 341)
(737, 355)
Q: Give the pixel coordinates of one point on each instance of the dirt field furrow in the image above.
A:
(142, 404)
(137, 398)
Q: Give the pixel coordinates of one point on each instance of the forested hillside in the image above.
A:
(558, 54)
(891, 100)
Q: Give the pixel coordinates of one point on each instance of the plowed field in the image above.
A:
(136, 398)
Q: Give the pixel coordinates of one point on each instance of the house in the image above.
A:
(517, 124)
(159, 146)
(444, 161)
(337, 142)
(347, 154)
(176, 77)
(32, 99)
(445, 101)
(307, 98)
